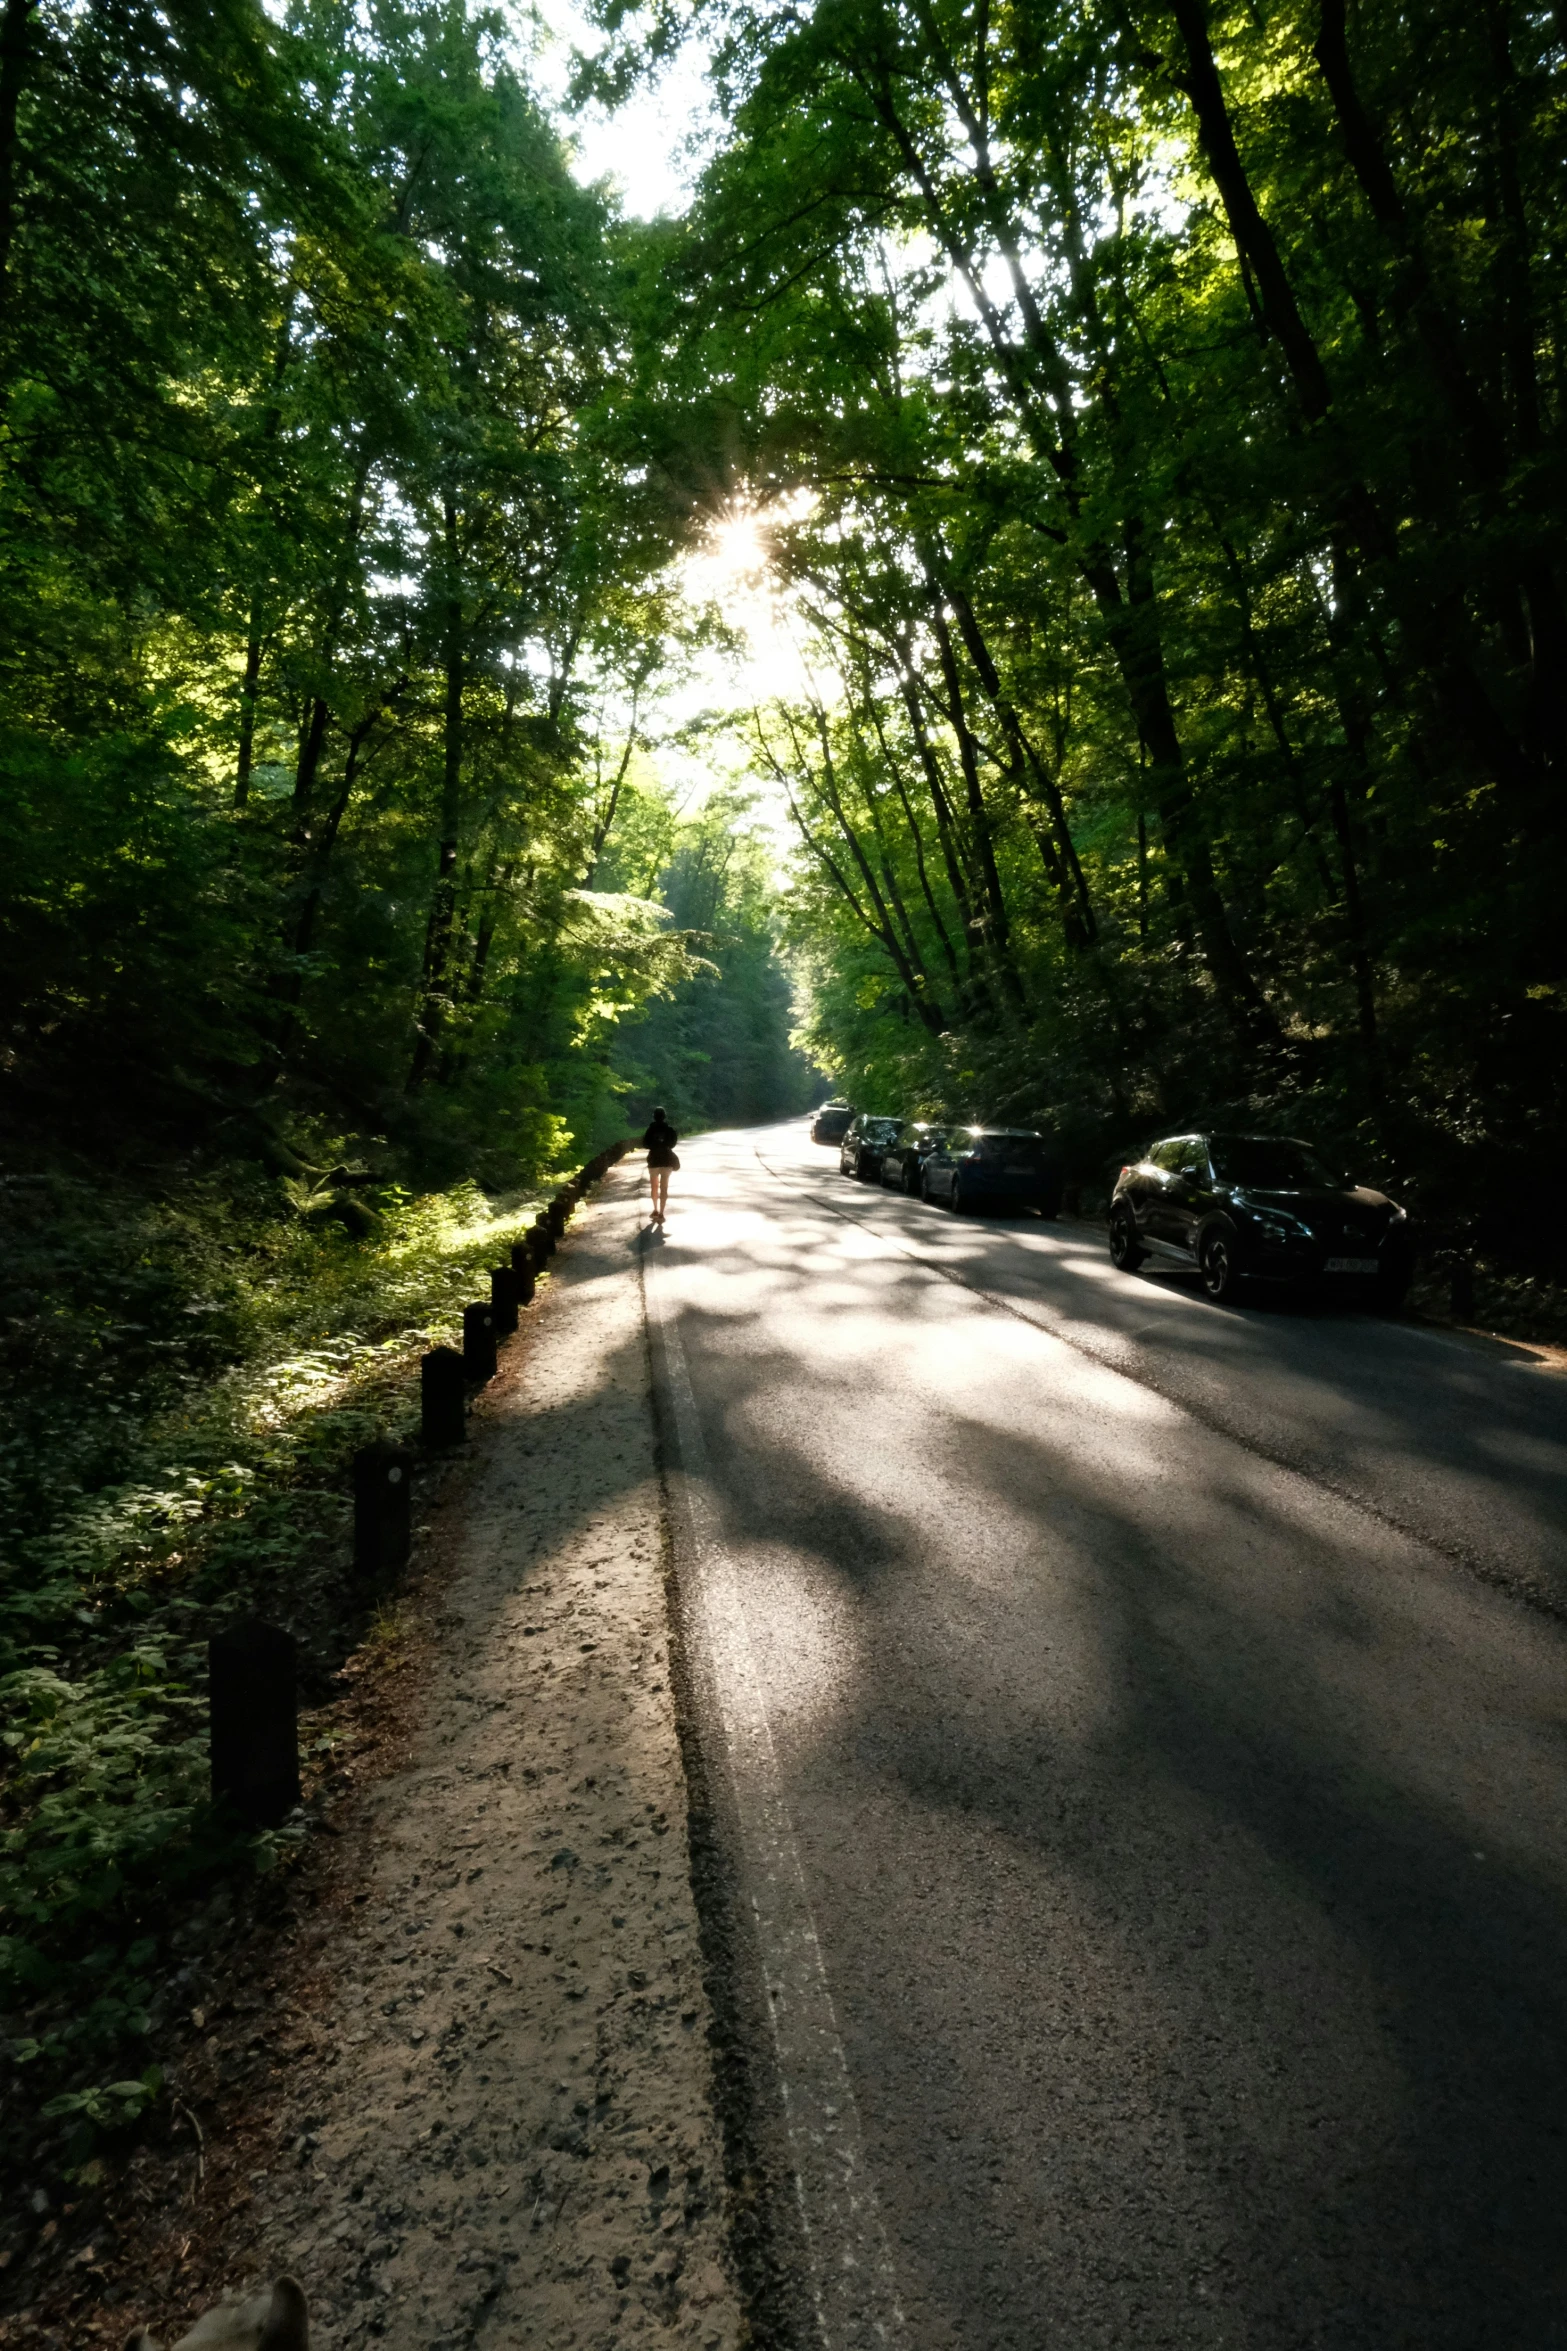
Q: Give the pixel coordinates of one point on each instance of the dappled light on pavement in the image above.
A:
(1185, 1839)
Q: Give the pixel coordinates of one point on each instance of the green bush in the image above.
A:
(188, 1368)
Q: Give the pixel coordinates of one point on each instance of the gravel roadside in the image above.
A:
(490, 2110)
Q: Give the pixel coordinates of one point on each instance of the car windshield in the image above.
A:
(1268, 1166)
(879, 1130)
(1009, 1150)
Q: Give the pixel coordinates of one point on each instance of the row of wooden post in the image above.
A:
(252, 1668)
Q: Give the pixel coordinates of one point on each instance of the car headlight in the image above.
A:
(1282, 1228)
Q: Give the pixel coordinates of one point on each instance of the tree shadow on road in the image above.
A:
(1143, 1799)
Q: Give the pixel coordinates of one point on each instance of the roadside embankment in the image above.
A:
(460, 2084)
(187, 1369)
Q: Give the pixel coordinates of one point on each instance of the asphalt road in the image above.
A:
(1173, 1730)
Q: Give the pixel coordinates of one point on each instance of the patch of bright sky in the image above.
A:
(652, 148)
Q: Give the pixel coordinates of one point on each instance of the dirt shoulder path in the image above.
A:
(493, 2118)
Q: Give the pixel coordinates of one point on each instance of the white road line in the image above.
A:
(852, 2279)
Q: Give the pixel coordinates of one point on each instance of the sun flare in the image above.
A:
(737, 547)
(733, 568)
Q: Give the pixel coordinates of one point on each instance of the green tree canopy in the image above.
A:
(1177, 393)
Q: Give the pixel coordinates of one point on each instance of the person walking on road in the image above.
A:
(660, 1141)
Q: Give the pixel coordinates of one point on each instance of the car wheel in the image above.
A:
(926, 1194)
(911, 1182)
(955, 1197)
(1126, 1251)
(1219, 1277)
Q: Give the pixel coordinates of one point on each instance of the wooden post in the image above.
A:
(543, 1242)
(442, 1397)
(383, 1507)
(254, 1721)
(503, 1300)
(478, 1344)
(522, 1272)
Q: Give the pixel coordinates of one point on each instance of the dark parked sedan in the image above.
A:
(993, 1167)
(1244, 1207)
(831, 1122)
(860, 1153)
(903, 1161)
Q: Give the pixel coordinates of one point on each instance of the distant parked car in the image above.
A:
(860, 1153)
(1257, 1207)
(993, 1167)
(831, 1122)
(903, 1161)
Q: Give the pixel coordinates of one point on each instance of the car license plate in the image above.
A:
(1350, 1265)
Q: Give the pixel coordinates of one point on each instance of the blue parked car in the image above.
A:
(1009, 1168)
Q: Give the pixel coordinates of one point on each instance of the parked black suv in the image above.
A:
(1262, 1207)
(860, 1153)
(903, 1161)
(831, 1122)
(993, 1167)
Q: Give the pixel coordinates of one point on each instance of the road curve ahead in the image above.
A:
(1153, 1777)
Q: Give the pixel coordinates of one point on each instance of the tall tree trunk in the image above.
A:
(1056, 847)
(254, 640)
(976, 985)
(1185, 838)
(318, 711)
(1416, 292)
(1421, 304)
(605, 818)
(1359, 947)
(1130, 622)
(1542, 595)
(433, 1005)
(1438, 632)
(876, 926)
(326, 840)
(902, 948)
(247, 706)
(484, 939)
(893, 891)
(998, 929)
(1275, 296)
(917, 842)
(455, 1058)
(308, 766)
(290, 987)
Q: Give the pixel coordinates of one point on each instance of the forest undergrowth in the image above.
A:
(189, 1360)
